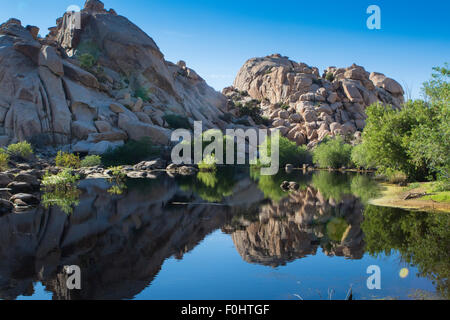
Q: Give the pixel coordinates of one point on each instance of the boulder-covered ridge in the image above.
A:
(306, 106)
(49, 97)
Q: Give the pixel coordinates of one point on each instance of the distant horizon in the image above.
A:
(215, 39)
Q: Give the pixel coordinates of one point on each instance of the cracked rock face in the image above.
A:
(314, 106)
(49, 97)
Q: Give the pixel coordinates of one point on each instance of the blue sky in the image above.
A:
(216, 37)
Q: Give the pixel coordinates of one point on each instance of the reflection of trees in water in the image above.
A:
(66, 199)
(121, 241)
(422, 239)
(211, 186)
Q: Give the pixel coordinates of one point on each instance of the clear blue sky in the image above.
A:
(216, 37)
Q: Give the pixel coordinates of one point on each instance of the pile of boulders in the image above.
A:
(20, 186)
(307, 107)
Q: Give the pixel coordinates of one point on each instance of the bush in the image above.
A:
(208, 163)
(360, 159)
(4, 159)
(252, 110)
(130, 153)
(333, 153)
(67, 160)
(63, 180)
(290, 153)
(91, 161)
(87, 61)
(22, 149)
(330, 76)
(142, 93)
(177, 122)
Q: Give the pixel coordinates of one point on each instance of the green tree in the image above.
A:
(415, 139)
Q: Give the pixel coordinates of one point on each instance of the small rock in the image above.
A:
(5, 179)
(285, 185)
(19, 187)
(289, 168)
(294, 186)
(28, 199)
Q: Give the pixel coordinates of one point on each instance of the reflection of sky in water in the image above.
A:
(214, 270)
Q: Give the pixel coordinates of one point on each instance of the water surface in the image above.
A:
(228, 235)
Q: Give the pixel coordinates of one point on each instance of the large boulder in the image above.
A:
(137, 130)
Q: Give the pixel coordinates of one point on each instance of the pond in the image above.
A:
(227, 235)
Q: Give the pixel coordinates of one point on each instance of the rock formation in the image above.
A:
(96, 86)
(305, 106)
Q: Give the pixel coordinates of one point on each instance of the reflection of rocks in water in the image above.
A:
(297, 226)
(120, 242)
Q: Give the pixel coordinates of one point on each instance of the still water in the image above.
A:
(228, 235)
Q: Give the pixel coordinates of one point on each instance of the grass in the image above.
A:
(442, 197)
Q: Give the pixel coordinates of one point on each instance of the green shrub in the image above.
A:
(22, 149)
(142, 93)
(252, 110)
(67, 160)
(329, 76)
(4, 159)
(289, 151)
(130, 153)
(62, 180)
(333, 153)
(396, 176)
(87, 61)
(176, 121)
(91, 161)
(208, 163)
(360, 159)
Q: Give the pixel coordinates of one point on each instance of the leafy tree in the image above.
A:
(416, 139)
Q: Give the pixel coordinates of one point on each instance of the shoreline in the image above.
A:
(395, 197)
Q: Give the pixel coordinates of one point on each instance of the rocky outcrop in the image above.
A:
(307, 107)
(49, 97)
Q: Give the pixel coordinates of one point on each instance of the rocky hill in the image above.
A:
(97, 80)
(94, 87)
(306, 106)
